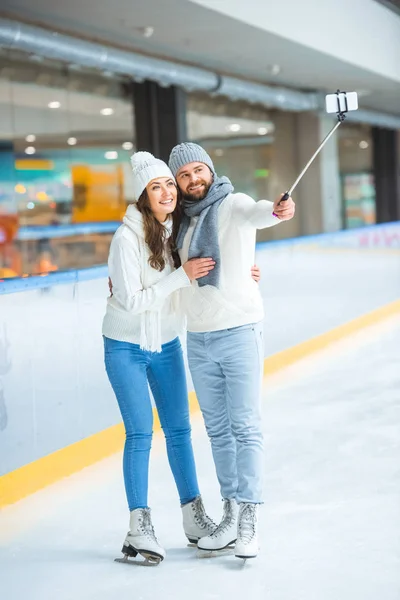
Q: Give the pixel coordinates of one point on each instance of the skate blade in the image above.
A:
(130, 553)
(245, 558)
(149, 561)
(192, 541)
(228, 551)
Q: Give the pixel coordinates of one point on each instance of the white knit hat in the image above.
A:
(145, 168)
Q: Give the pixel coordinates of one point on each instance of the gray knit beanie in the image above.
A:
(186, 153)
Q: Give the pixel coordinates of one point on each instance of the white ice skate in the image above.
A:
(247, 540)
(224, 536)
(141, 540)
(196, 522)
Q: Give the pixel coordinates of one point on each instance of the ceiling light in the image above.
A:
(127, 145)
(234, 127)
(30, 138)
(20, 189)
(30, 150)
(111, 155)
(54, 104)
(30, 205)
(275, 69)
(72, 141)
(262, 130)
(107, 111)
(363, 145)
(147, 31)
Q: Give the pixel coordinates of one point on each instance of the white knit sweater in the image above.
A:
(143, 308)
(237, 301)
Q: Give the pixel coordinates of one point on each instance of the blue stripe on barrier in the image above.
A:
(36, 232)
(22, 284)
(59, 231)
(327, 238)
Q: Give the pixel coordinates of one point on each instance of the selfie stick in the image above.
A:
(341, 117)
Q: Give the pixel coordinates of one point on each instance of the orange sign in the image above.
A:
(97, 193)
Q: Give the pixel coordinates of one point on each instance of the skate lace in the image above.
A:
(226, 521)
(200, 515)
(146, 527)
(247, 523)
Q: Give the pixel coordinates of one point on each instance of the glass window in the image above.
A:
(356, 171)
(249, 144)
(238, 138)
(66, 138)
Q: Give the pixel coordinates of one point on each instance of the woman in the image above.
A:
(142, 347)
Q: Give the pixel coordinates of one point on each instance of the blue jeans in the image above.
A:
(226, 368)
(129, 370)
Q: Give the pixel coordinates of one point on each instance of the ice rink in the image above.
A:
(329, 529)
(264, 99)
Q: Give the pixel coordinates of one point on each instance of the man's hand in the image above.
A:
(255, 273)
(286, 210)
(110, 286)
(195, 268)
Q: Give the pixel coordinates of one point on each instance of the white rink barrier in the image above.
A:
(53, 387)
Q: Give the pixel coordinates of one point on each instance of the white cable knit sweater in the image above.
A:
(143, 308)
(237, 301)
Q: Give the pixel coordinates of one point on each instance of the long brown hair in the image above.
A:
(155, 233)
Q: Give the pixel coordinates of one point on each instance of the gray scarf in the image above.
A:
(204, 242)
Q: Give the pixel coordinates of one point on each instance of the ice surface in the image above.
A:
(329, 529)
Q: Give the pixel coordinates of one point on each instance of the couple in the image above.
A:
(190, 259)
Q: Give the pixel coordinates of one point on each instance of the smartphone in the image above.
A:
(341, 102)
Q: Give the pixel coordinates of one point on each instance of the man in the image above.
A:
(224, 342)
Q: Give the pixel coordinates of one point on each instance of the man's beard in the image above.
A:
(197, 198)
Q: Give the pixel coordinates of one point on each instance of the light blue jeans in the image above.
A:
(226, 368)
(129, 370)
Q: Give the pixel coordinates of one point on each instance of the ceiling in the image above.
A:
(193, 34)
(391, 4)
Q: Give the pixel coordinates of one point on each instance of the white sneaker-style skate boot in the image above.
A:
(226, 532)
(196, 522)
(247, 537)
(141, 538)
